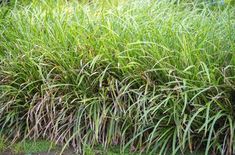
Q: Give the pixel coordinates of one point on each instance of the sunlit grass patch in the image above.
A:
(33, 146)
(146, 76)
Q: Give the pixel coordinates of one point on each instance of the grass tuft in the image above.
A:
(151, 76)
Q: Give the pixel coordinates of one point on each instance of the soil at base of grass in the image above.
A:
(54, 152)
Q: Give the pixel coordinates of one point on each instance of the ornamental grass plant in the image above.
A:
(152, 76)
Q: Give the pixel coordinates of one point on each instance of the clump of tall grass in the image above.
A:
(154, 76)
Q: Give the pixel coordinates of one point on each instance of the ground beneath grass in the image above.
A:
(46, 148)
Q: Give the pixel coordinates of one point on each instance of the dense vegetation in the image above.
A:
(152, 76)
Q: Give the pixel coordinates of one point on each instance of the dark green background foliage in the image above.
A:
(146, 75)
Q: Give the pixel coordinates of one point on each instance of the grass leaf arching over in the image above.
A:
(152, 76)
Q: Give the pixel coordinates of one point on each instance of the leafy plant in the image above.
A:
(151, 76)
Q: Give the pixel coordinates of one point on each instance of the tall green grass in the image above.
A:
(153, 76)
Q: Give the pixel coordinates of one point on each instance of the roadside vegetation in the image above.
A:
(145, 76)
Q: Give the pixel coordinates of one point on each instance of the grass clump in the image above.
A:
(29, 147)
(152, 76)
(2, 143)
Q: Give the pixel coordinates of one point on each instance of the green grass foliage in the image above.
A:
(152, 76)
